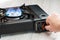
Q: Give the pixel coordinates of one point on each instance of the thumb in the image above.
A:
(47, 27)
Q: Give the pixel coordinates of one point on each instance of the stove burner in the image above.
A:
(13, 12)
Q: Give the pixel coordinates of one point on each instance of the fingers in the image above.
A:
(51, 22)
(49, 28)
(48, 20)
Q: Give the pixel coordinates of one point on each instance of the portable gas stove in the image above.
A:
(22, 19)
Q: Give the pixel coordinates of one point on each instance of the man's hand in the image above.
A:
(53, 23)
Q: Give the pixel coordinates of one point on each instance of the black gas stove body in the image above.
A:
(32, 20)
